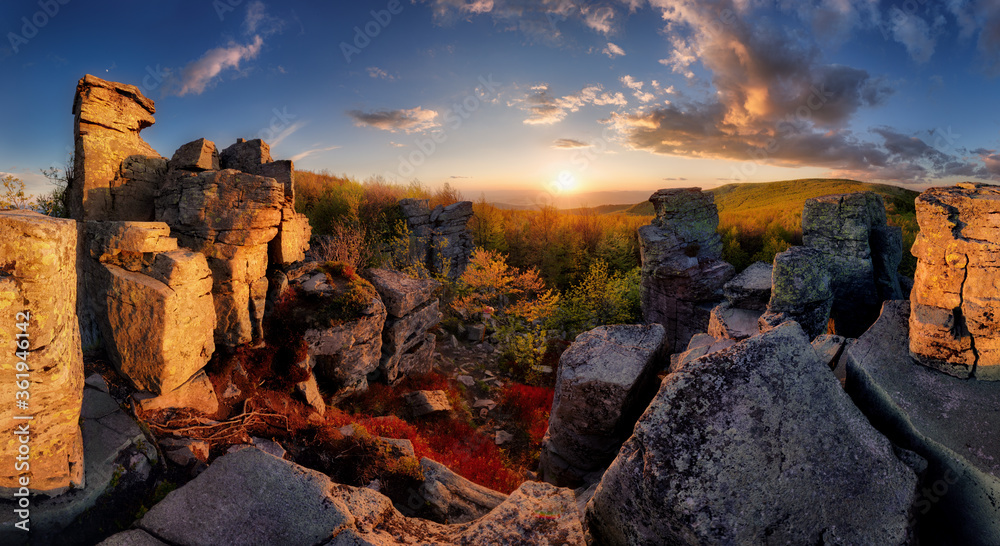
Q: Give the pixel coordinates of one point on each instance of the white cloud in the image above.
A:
(599, 19)
(288, 131)
(197, 75)
(307, 153)
(612, 50)
(380, 74)
(545, 109)
(408, 121)
(913, 32)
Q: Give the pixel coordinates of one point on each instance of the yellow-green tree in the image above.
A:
(12, 194)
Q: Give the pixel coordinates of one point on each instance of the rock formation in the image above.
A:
(751, 289)
(955, 324)
(862, 254)
(450, 498)
(39, 328)
(755, 444)
(801, 291)
(224, 505)
(156, 316)
(407, 347)
(116, 172)
(950, 422)
(605, 380)
(440, 238)
(682, 269)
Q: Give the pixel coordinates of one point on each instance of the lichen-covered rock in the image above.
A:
(699, 346)
(948, 421)
(751, 289)
(441, 239)
(801, 291)
(682, 270)
(605, 380)
(861, 252)
(38, 326)
(400, 293)
(152, 302)
(955, 323)
(224, 505)
(197, 155)
(108, 119)
(756, 444)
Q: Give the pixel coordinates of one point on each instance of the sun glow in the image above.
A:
(566, 182)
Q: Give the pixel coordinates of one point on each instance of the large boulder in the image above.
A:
(400, 292)
(955, 324)
(108, 119)
(801, 290)
(197, 155)
(152, 301)
(441, 240)
(249, 497)
(950, 422)
(682, 268)
(755, 444)
(38, 327)
(861, 252)
(751, 289)
(605, 380)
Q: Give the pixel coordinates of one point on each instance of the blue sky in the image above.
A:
(559, 96)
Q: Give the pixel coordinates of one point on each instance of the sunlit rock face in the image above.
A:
(861, 253)
(116, 172)
(38, 300)
(754, 444)
(682, 268)
(955, 323)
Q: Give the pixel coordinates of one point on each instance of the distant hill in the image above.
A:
(790, 196)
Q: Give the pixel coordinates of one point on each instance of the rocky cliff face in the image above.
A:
(116, 171)
(682, 268)
(955, 323)
(38, 327)
(440, 238)
(407, 345)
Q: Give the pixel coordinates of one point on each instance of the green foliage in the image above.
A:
(601, 298)
(55, 202)
(12, 194)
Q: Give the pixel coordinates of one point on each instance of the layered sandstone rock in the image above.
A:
(116, 172)
(682, 268)
(38, 300)
(605, 380)
(756, 444)
(861, 253)
(440, 238)
(407, 347)
(955, 323)
(230, 217)
(152, 301)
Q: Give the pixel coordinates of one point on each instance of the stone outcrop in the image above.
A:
(440, 238)
(116, 172)
(450, 498)
(801, 291)
(955, 324)
(728, 322)
(605, 380)
(152, 301)
(682, 268)
(39, 327)
(950, 422)
(751, 289)
(407, 347)
(230, 217)
(699, 346)
(223, 505)
(756, 444)
(197, 155)
(347, 349)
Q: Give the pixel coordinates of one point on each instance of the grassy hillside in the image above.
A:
(759, 220)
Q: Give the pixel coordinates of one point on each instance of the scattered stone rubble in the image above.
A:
(682, 269)
(440, 238)
(38, 327)
(955, 323)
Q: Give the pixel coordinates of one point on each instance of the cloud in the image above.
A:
(612, 50)
(636, 87)
(912, 31)
(408, 121)
(379, 74)
(307, 153)
(599, 19)
(545, 109)
(570, 144)
(980, 17)
(459, 177)
(397, 145)
(539, 20)
(198, 74)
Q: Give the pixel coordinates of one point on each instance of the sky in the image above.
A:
(548, 97)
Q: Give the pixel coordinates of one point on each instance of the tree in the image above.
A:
(55, 202)
(12, 194)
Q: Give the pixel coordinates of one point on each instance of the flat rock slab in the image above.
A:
(951, 422)
(755, 444)
(751, 289)
(400, 293)
(728, 322)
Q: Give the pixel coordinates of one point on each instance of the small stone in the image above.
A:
(477, 332)
(184, 451)
(269, 446)
(427, 402)
(95, 381)
(466, 380)
(503, 437)
(488, 404)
